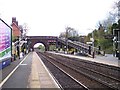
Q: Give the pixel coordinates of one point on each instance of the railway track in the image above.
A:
(89, 77)
(66, 81)
(111, 70)
(108, 75)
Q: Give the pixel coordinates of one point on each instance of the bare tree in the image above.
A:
(70, 32)
(25, 29)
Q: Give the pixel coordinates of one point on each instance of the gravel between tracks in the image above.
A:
(65, 81)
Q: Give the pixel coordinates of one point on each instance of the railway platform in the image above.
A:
(107, 59)
(29, 73)
(40, 76)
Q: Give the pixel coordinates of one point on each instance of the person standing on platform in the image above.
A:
(18, 52)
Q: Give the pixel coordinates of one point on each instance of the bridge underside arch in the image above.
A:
(33, 42)
(45, 40)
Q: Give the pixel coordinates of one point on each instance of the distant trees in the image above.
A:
(116, 25)
(70, 33)
(41, 47)
(104, 34)
(100, 39)
(115, 28)
(62, 35)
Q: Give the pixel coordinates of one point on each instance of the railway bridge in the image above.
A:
(45, 40)
(60, 43)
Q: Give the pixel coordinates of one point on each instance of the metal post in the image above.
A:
(92, 39)
(67, 46)
(117, 49)
(68, 29)
(93, 44)
(114, 48)
(67, 40)
(90, 50)
(119, 44)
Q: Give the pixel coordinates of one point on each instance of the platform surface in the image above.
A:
(29, 73)
(108, 59)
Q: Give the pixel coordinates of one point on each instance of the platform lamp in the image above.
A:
(92, 39)
(93, 44)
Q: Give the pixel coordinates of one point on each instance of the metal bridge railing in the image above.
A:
(80, 46)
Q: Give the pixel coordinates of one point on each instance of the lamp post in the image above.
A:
(114, 48)
(92, 39)
(68, 29)
(119, 44)
(93, 44)
(67, 39)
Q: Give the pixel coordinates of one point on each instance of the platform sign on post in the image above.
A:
(5, 44)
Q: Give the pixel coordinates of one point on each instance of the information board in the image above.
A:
(5, 41)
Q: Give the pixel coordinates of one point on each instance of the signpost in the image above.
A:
(5, 44)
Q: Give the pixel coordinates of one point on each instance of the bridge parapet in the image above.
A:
(45, 40)
(42, 37)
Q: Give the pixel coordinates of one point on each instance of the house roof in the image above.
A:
(13, 23)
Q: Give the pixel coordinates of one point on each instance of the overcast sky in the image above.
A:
(50, 17)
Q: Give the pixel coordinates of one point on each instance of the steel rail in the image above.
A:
(90, 76)
(84, 87)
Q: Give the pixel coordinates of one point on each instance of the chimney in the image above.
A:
(17, 23)
(14, 19)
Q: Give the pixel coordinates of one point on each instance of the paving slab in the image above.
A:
(40, 76)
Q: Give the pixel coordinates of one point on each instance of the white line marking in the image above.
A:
(69, 75)
(3, 82)
(23, 64)
(47, 71)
